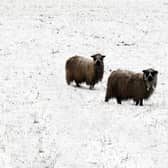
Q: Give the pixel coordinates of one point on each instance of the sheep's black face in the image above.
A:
(150, 76)
(98, 59)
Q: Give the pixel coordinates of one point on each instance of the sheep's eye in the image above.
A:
(147, 73)
(152, 73)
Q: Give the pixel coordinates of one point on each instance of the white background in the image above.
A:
(44, 123)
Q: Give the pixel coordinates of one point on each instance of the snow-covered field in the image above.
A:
(44, 123)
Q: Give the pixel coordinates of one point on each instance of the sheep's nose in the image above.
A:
(97, 62)
(150, 78)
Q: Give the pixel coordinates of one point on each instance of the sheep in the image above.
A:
(81, 69)
(124, 84)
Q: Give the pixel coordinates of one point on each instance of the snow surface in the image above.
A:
(44, 123)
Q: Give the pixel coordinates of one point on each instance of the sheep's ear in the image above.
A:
(103, 56)
(93, 56)
(144, 71)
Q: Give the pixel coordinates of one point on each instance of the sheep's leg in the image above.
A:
(106, 98)
(91, 86)
(137, 102)
(77, 84)
(68, 82)
(141, 102)
(118, 100)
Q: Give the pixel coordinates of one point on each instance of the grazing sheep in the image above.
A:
(80, 69)
(123, 84)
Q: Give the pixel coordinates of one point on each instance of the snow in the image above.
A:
(44, 122)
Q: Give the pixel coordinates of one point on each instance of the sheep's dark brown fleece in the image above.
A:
(80, 69)
(123, 84)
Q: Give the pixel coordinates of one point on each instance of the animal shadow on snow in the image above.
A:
(83, 87)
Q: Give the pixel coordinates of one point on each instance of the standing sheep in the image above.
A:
(80, 69)
(123, 84)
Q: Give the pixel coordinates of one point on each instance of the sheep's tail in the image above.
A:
(68, 73)
(107, 96)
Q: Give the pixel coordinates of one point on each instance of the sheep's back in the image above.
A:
(118, 82)
(81, 68)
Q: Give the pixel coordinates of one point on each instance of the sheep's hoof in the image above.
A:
(106, 99)
(141, 104)
(91, 87)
